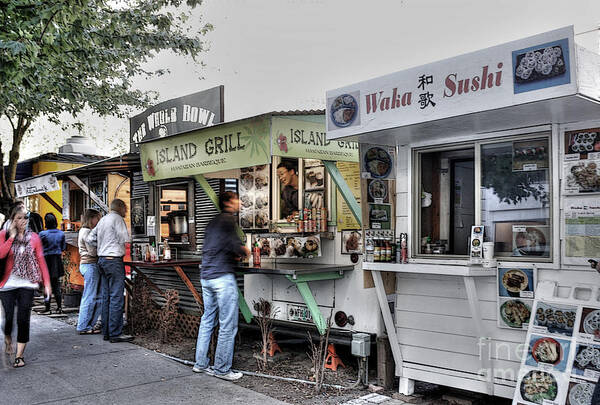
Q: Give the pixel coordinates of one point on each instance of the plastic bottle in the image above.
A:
(369, 248)
(256, 255)
(166, 250)
(153, 253)
(147, 255)
(377, 251)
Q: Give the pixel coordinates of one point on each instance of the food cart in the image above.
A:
(306, 270)
(497, 188)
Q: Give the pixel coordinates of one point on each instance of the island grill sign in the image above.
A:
(224, 147)
(37, 185)
(183, 114)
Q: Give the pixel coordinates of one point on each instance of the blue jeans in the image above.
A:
(112, 274)
(220, 294)
(91, 301)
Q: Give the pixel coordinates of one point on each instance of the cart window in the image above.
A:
(76, 204)
(447, 206)
(515, 197)
(174, 212)
(287, 173)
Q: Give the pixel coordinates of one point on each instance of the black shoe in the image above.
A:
(105, 338)
(121, 338)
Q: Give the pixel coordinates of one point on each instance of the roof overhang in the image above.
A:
(124, 164)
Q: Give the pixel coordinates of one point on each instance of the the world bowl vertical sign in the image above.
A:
(225, 147)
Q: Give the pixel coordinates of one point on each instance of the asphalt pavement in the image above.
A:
(64, 367)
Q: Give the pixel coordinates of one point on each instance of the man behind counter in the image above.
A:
(287, 171)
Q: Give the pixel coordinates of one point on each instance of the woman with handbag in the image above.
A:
(25, 268)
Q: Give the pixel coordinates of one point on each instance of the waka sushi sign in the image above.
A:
(523, 71)
(224, 147)
(305, 138)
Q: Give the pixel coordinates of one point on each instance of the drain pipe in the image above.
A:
(272, 377)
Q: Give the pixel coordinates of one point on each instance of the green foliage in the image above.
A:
(61, 56)
(512, 187)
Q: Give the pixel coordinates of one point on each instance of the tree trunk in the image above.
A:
(4, 189)
(19, 131)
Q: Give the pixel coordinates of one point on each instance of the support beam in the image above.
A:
(309, 299)
(388, 321)
(484, 341)
(345, 191)
(190, 286)
(244, 308)
(86, 190)
(52, 202)
(208, 190)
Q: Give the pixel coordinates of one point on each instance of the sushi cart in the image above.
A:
(496, 168)
(296, 208)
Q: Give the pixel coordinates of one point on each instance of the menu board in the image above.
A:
(290, 246)
(351, 173)
(582, 144)
(582, 226)
(516, 290)
(377, 161)
(254, 197)
(562, 363)
(581, 176)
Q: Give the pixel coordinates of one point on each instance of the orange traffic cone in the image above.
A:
(272, 346)
(332, 361)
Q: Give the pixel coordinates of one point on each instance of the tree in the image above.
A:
(61, 56)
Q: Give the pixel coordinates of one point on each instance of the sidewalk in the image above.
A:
(64, 367)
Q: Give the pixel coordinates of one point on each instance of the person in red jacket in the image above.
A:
(25, 268)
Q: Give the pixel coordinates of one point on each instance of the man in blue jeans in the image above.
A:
(222, 248)
(109, 237)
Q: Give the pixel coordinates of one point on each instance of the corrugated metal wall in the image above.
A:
(204, 210)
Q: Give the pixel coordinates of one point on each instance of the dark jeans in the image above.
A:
(23, 299)
(596, 397)
(112, 282)
(55, 284)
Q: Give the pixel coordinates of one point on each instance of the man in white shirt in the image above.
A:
(109, 237)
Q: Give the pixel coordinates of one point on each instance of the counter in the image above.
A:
(298, 273)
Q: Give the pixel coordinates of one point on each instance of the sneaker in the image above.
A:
(230, 376)
(121, 338)
(207, 370)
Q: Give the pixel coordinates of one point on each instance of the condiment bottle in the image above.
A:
(147, 256)
(370, 249)
(256, 255)
(166, 251)
(377, 250)
(153, 253)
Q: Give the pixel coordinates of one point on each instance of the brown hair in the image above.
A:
(88, 215)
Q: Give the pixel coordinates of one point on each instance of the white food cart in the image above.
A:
(500, 145)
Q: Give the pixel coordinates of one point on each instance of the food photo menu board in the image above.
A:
(516, 291)
(562, 363)
(254, 197)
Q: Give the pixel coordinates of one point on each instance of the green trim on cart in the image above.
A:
(208, 190)
(309, 299)
(345, 191)
(302, 278)
(243, 305)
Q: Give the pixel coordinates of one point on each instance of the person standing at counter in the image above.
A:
(287, 172)
(54, 244)
(25, 267)
(109, 238)
(222, 248)
(91, 302)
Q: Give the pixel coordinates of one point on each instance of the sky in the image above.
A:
(274, 55)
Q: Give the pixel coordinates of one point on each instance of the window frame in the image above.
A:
(417, 151)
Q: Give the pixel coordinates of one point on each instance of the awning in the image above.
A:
(124, 164)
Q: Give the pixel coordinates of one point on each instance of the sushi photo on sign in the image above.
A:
(542, 66)
(343, 111)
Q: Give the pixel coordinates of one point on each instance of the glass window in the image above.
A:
(447, 206)
(289, 183)
(515, 197)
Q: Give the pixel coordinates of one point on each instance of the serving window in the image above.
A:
(513, 202)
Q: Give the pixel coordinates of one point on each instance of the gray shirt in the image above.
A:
(109, 236)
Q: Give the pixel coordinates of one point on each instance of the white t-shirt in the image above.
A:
(15, 282)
